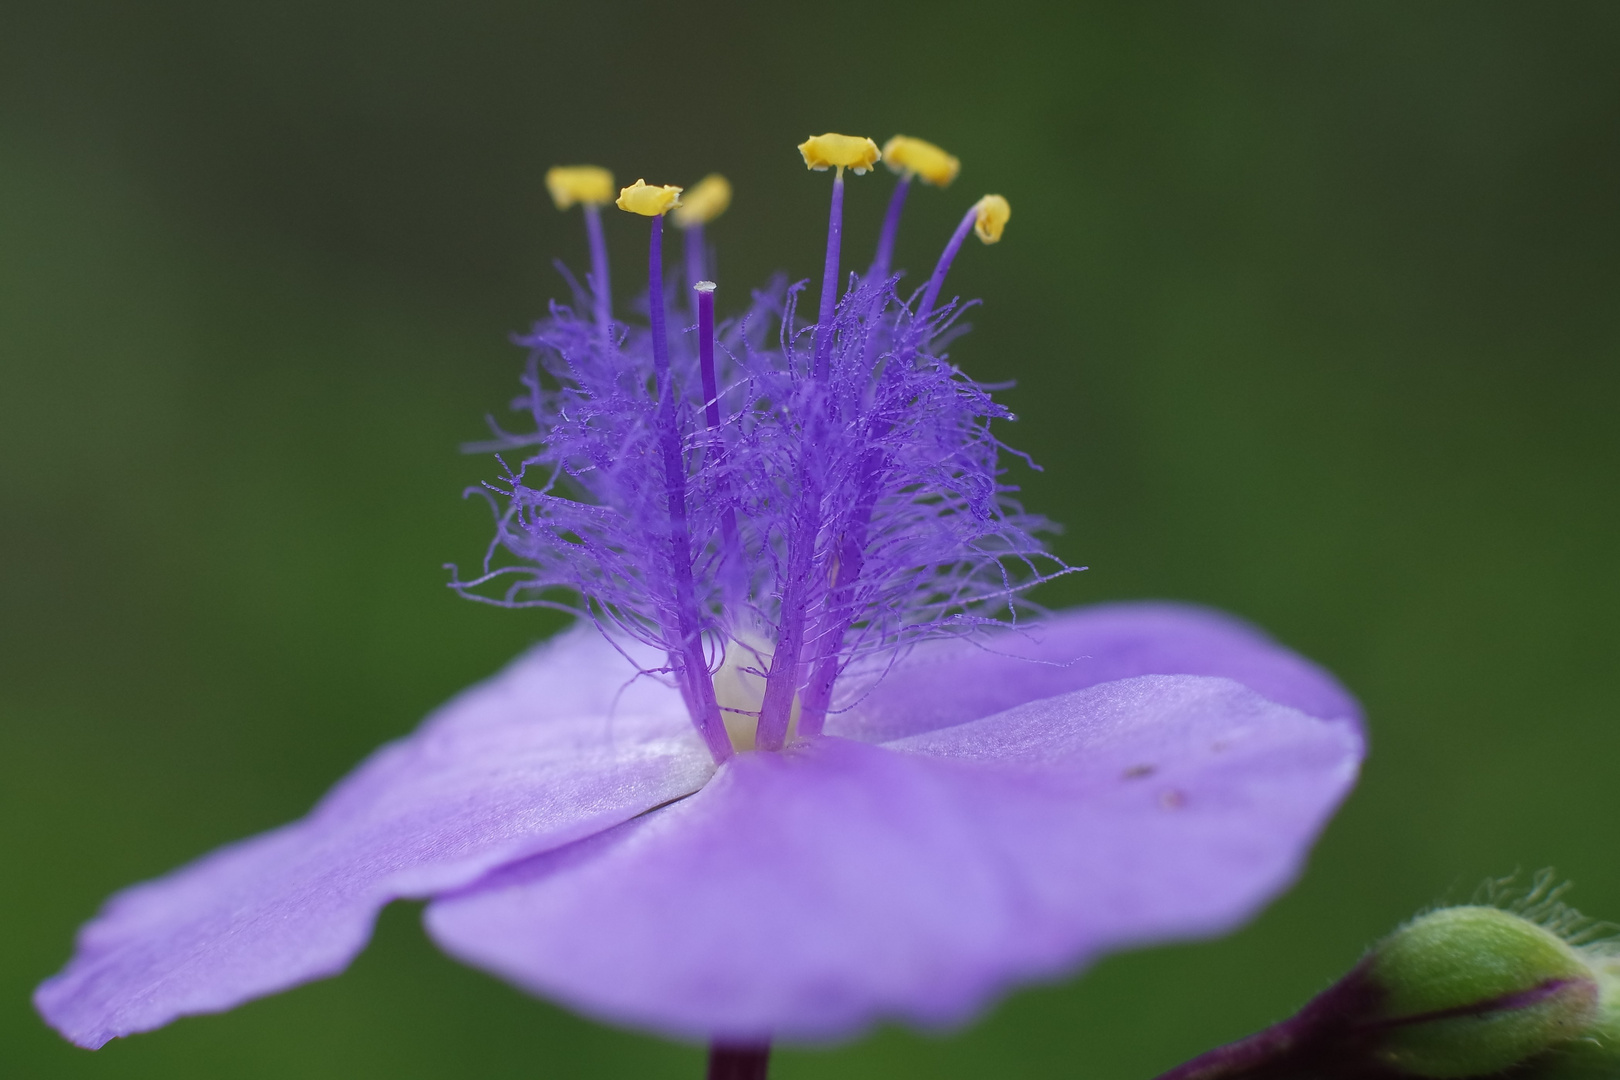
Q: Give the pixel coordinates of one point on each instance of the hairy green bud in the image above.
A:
(1462, 992)
(1473, 990)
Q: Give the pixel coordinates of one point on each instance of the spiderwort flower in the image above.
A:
(808, 760)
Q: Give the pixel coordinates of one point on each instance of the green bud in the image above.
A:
(1473, 992)
(1468, 991)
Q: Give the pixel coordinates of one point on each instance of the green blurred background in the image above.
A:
(1312, 308)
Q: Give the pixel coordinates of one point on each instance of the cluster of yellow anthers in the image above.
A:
(592, 185)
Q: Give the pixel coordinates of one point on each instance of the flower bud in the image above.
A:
(1473, 990)
(1460, 992)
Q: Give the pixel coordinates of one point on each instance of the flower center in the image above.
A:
(793, 497)
(739, 687)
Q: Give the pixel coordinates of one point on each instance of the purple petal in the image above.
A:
(949, 682)
(806, 895)
(543, 754)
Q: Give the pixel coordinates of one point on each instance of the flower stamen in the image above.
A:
(649, 200)
(922, 159)
(830, 151)
(822, 152)
(910, 158)
(700, 204)
(987, 218)
(839, 506)
(687, 658)
(592, 187)
(991, 214)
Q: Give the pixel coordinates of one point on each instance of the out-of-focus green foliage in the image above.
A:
(1314, 312)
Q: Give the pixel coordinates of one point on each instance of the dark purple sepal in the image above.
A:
(1329, 1039)
(1344, 1034)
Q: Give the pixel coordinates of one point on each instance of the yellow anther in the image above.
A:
(991, 217)
(649, 200)
(706, 201)
(823, 152)
(903, 154)
(570, 184)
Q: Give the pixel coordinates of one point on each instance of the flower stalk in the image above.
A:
(729, 1061)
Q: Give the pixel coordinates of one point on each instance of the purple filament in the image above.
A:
(705, 323)
(782, 681)
(696, 264)
(690, 664)
(840, 605)
(601, 289)
(943, 267)
(704, 295)
(891, 228)
(829, 279)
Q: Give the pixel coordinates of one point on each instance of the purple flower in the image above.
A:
(809, 759)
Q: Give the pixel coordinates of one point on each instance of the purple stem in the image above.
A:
(690, 664)
(731, 1062)
(695, 262)
(829, 281)
(600, 287)
(943, 267)
(891, 228)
